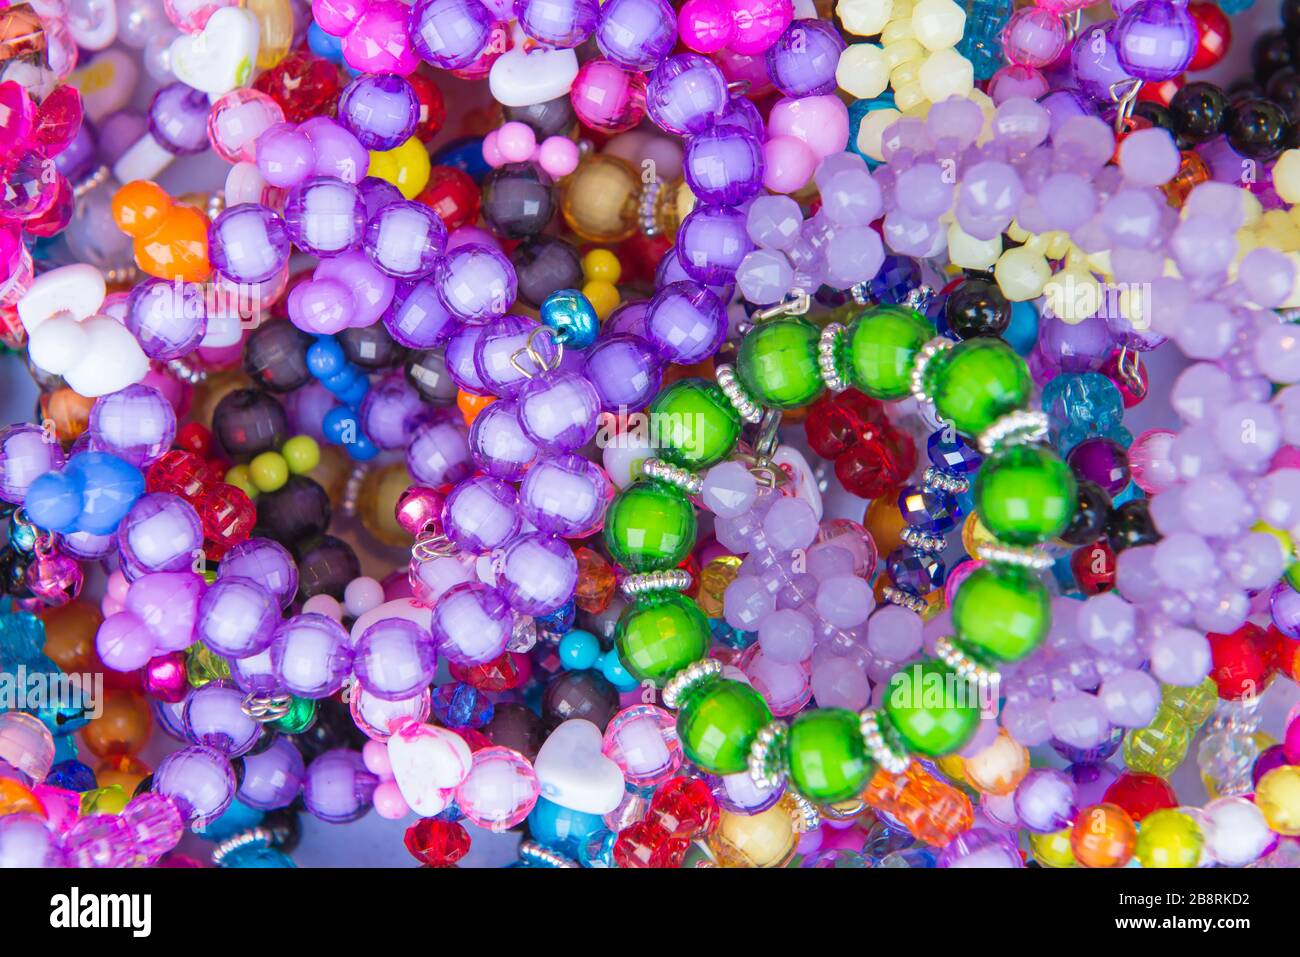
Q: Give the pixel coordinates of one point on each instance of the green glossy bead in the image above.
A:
(301, 716)
(717, 723)
(933, 710)
(203, 665)
(1025, 495)
(827, 758)
(660, 634)
(976, 382)
(777, 363)
(1001, 612)
(880, 347)
(694, 424)
(649, 526)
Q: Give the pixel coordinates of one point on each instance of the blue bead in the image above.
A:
(466, 155)
(562, 829)
(898, 276)
(1022, 334)
(917, 573)
(981, 41)
(339, 382)
(579, 650)
(22, 638)
(948, 452)
(340, 425)
(1232, 7)
(252, 856)
(571, 315)
(325, 358)
(1088, 400)
(353, 395)
(729, 636)
(558, 622)
(928, 509)
(324, 45)
(111, 486)
(598, 849)
(54, 501)
(72, 776)
(361, 449)
(858, 110)
(459, 705)
(237, 818)
(612, 668)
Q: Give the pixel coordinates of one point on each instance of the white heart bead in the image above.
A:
(573, 772)
(524, 79)
(77, 291)
(113, 359)
(220, 58)
(57, 344)
(428, 763)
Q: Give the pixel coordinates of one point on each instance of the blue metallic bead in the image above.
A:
(571, 315)
(948, 452)
(917, 573)
(598, 849)
(930, 510)
(458, 705)
(1022, 334)
(897, 277)
(256, 855)
(558, 622)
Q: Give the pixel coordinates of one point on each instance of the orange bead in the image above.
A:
(139, 207)
(122, 729)
(67, 412)
(124, 770)
(70, 635)
(595, 582)
(932, 811)
(1103, 836)
(471, 405)
(885, 523)
(170, 240)
(16, 799)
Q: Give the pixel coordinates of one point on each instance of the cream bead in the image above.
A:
(862, 71)
(905, 73)
(866, 18)
(872, 129)
(947, 73)
(897, 30)
(938, 24)
(1073, 295)
(909, 97)
(1135, 306)
(967, 252)
(904, 51)
(1286, 176)
(1021, 274)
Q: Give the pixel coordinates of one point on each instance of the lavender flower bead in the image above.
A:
(311, 655)
(168, 322)
(137, 424)
(178, 119)
(559, 411)
(711, 244)
(390, 412)
(438, 453)
(724, 165)
(498, 444)
(625, 370)
(263, 561)
(1156, 40)
(803, 60)
(237, 617)
(449, 34)
(25, 841)
(538, 574)
(480, 514)
(214, 716)
(380, 110)
(325, 216)
(199, 780)
(471, 624)
(337, 787)
(161, 533)
(566, 496)
(1045, 800)
(248, 243)
(405, 239)
(394, 659)
(272, 778)
(686, 322)
(417, 318)
(636, 34)
(476, 283)
(557, 23)
(376, 193)
(687, 93)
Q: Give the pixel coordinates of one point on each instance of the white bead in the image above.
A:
(872, 129)
(325, 605)
(96, 27)
(112, 361)
(143, 159)
(361, 595)
(1286, 176)
(56, 345)
(77, 291)
(866, 18)
(1238, 834)
(862, 71)
(947, 73)
(221, 57)
(967, 252)
(244, 184)
(938, 24)
(526, 79)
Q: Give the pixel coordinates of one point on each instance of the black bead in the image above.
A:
(1130, 525)
(294, 513)
(1090, 514)
(275, 356)
(1200, 110)
(284, 823)
(371, 347)
(977, 308)
(1158, 115)
(333, 728)
(427, 371)
(515, 726)
(552, 118)
(579, 694)
(1291, 16)
(543, 266)
(1258, 128)
(144, 787)
(249, 421)
(1284, 90)
(325, 566)
(518, 200)
(1271, 52)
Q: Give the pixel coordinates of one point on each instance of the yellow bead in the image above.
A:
(602, 264)
(1278, 797)
(1053, 850)
(239, 477)
(897, 30)
(1169, 838)
(765, 839)
(872, 129)
(301, 454)
(938, 23)
(1160, 747)
(909, 97)
(904, 51)
(1022, 273)
(862, 71)
(275, 29)
(966, 251)
(866, 18)
(602, 295)
(947, 73)
(1193, 704)
(269, 471)
(107, 800)
(406, 167)
(1073, 295)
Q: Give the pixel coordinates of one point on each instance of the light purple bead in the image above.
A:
(25, 841)
(894, 633)
(263, 561)
(538, 574)
(471, 624)
(417, 318)
(256, 674)
(498, 348)
(311, 655)
(686, 322)
(636, 34)
(325, 216)
(449, 34)
(1078, 720)
(214, 716)
(625, 371)
(1075, 347)
(380, 110)
(272, 778)
(405, 239)
(1045, 800)
(99, 840)
(1156, 40)
(391, 411)
(394, 659)
(724, 165)
(729, 489)
(169, 321)
(1107, 624)
(136, 424)
(765, 277)
(285, 155)
(178, 119)
(566, 495)
(557, 23)
(438, 454)
(844, 600)
(476, 283)
(237, 617)
(25, 455)
(337, 152)
(559, 411)
(161, 533)
(773, 221)
(989, 197)
(746, 602)
(1131, 698)
(711, 244)
(248, 243)
(481, 513)
(686, 94)
(498, 444)
(1284, 605)
(789, 524)
(786, 637)
(199, 780)
(803, 60)
(337, 787)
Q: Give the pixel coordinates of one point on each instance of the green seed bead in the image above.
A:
(827, 758)
(1001, 612)
(933, 710)
(1025, 495)
(694, 424)
(976, 382)
(649, 526)
(717, 723)
(660, 634)
(881, 345)
(300, 717)
(777, 363)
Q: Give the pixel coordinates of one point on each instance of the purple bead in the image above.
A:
(311, 655)
(136, 424)
(199, 780)
(471, 624)
(711, 244)
(481, 513)
(1156, 40)
(161, 533)
(1284, 604)
(687, 93)
(500, 352)
(394, 659)
(178, 119)
(238, 617)
(559, 411)
(498, 444)
(285, 155)
(625, 371)
(263, 561)
(390, 412)
(376, 193)
(538, 574)
(686, 322)
(214, 716)
(405, 239)
(1075, 347)
(154, 825)
(476, 283)
(248, 243)
(557, 23)
(438, 453)
(802, 62)
(930, 510)
(1102, 461)
(724, 165)
(459, 358)
(256, 674)
(325, 216)
(99, 840)
(449, 34)
(25, 455)
(169, 320)
(417, 318)
(636, 34)
(459, 705)
(272, 778)
(337, 787)
(380, 110)
(336, 151)
(1094, 62)
(629, 318)
(1045, 800)
(916, 572)
(566, 496)
(25, 841)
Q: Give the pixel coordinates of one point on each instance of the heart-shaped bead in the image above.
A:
(219, 58)
(573, 772)
(524, 79)
(428, 763)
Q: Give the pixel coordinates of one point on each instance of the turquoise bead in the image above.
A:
(579, 650)
(571, 315)
(1082, 404)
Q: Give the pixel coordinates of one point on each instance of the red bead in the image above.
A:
(880, 461)
(1214, 35)
(1139, 794)
(228, 515)
(1161, 92)
(836, 423)
(180, 473)
(195, 438)
(1286, 653)
(640, 256)
(646, 844)
(685, 808)
(1094, 568)
(433, 109)
(500, 674)
(303, 84)
(1243, 662)
(436, 843)
(57, 217)
(452, 195)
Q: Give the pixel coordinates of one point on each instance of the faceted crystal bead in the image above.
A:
(930, 510)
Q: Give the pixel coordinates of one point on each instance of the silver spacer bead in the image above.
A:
(950, 482)
(186, 372)
(534, 853)
(264, 707)
(896, 596)
(880, 749)
(690, 676)
(918, 298)
(807, 817)
(946, 650)
(670, 579)
(256, 835)
(827, 346)
(352, 490)
(923, 359)
(749, 410)
(1015, 428)
(923, 541)
(1033, 558)
(684, 479)
(646, 211)
(99, 176)
(766, 755)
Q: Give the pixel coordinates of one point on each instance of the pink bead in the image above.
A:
(759, 23)
(500, 791)
(165, 679)
(1034, 37)
(237, 120)
(379, 42)
(516, 141)
(492, 150)
(323, 605)
(821, 123)
(337, 17)
(787, 164)
(558, 156)
(1011, 82)
(389, 803)
(375, 756)
(361, 595)
(642, 740)
(706, 26)
(607, 97)
(418, 508)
